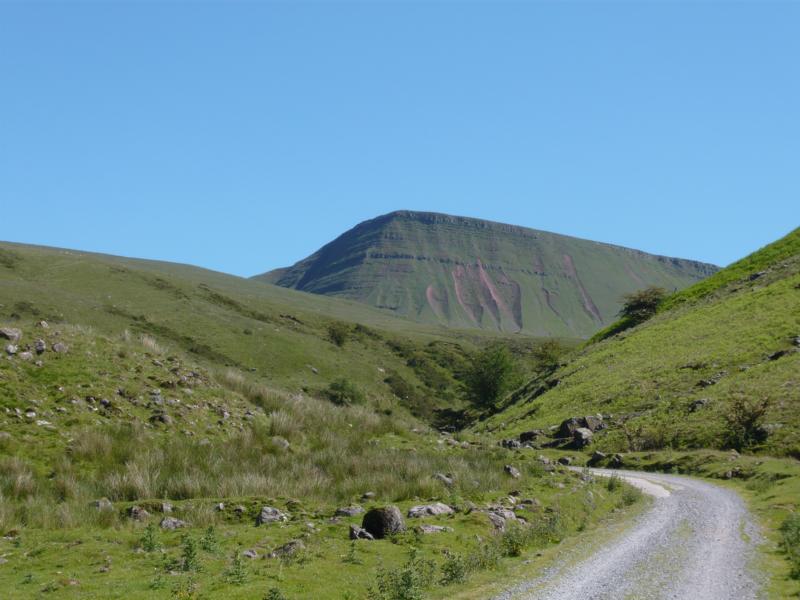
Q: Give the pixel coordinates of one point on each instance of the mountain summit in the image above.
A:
(471, 273)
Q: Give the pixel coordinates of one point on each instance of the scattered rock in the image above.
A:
(358, 533)
(510, 444)
(11, 334)
(448, 480)
(280, 442)
(166, 507)
(565, 460)
(758, 275)
(239, 511)
(252, 554)
(27, 356)
(219, 506)
(530, 436)
(512, 471)
(11, 349)
(698, 404)
(60, 348)
(137, 513)
(349, 511)
(616, 462)
(43, 324)
(427, 510)
(171, 523)
(582, 437)
(596, 458)
(368, 496)
(269, 514)
(103, 504)
(290, 548)
(384, 521)
(40, 346)
(427, 529)
(778, 354)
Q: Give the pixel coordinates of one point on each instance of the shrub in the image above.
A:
(190, 561)
(744, 422)
(613, 483)
(344, 392)
(405, 583)
(492, 373)
(546, 356)
(275, 594)
(790, 541)
(630, 495)
(237, 573)
(149, 540)
(641, 305)
(454, 569)
(339, 333)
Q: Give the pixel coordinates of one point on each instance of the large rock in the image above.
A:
(349, 511)
(10, 333)
(359, 533)
(172, 523)
(582, 437)
(597, 458)
(429, 510)
(381, 522)
(137, 513)
(269, 514)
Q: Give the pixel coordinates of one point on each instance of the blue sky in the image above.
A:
(243, 136)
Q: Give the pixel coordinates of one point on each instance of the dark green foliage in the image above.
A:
(790, 541)
(190, 561)
(744, 421)
(237, 572)
(405, 583)
(492, 374)
(639, 306)
(339, 333)
(546, 356)
(275, 594)
(454, 569)
(149, 540)
(344, 393)
(209, 542)
(613, 483)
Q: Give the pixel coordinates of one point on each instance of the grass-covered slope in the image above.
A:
(675, 381)
(282, 336)
(469, 273)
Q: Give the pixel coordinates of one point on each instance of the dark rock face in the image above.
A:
(381, 522)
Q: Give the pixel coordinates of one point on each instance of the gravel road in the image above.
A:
(695, 543)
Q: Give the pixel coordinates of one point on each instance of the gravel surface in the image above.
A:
(697, 542)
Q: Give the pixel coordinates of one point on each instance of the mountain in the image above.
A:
(716, 354)
(468, 273)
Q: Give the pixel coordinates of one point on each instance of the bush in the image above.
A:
(640, 306)
(790, 541)
(454, 570)
(275, 594)
(492, 373)
(344, 392)
(744, 423)
(405, 583)
(613, 483)
(339, 333)
(547, 355)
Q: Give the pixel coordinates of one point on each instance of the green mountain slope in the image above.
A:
(675, 381)
(281, 335)
(469, 273)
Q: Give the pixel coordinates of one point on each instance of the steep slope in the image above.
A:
(470, 273)
(682, 378)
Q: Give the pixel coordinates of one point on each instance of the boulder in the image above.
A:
(171, 523)
(60, 348)
(529, 436)
(582, 437)
(510, 444)
(27, 356)
(11, 334)
(597, 458)
(428, 510)
(594, 422)
(616, 461)
(269, 514)
(137, 513)
(565, 460)
(348, 511)
(384, 521)
(358, 533)
(166, 507)
(512, 471)
(251, 554)
(103, 504)
(567, 428)
(11, 349)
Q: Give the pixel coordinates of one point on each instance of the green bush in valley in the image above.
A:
(492, 373)
(744, 422)
(344, 392)
(339, 333)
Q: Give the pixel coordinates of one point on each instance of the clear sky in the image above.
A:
(243, 136)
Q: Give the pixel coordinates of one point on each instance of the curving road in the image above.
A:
(696, 542)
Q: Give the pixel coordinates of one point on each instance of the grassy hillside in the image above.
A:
(469, 273)
(287, 339)
(104, 437)
(674, 381)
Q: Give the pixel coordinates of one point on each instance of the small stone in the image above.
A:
(40, 346)
(171, 523)
(103, 504)
(512, 471)
(137, 513)
(428, 529)
(565, 460)
(358, 533)
(368, 496)
(219, 507)
(252, 554)
(427, 510)
(10, 333)
(26, 356)
(11, 349)
(349, 511)
(166, 507)
(445, 479)
(289, 549)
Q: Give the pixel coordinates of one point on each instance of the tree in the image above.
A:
(492, 373)
(547, 355)
(344, 392)
(639, 306)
